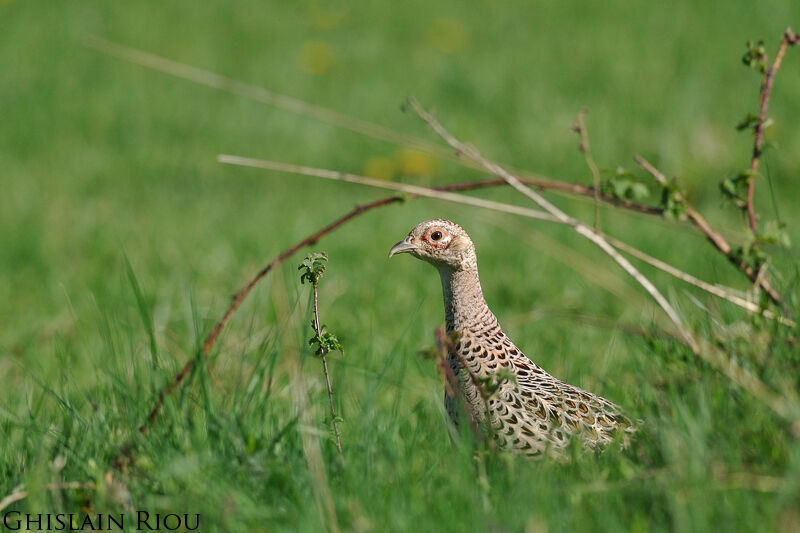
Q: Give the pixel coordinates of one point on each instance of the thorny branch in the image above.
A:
(789, 39)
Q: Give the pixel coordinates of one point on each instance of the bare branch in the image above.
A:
(439, 193)
(382, 184)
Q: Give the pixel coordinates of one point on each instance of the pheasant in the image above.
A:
(530, 411)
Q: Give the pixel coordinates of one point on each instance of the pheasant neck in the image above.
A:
(464, 305)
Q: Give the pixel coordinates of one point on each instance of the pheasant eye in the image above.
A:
(436, 235)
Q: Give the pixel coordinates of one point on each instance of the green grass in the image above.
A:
(121, 241)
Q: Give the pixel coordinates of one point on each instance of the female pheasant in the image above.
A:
(530, 411)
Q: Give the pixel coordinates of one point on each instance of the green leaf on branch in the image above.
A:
(774, 233)
(623, 185)
(673, 200)
(753, 252)
(325, 342)
(735, 189)
(750, 121)
(756, 56)
(313, 267)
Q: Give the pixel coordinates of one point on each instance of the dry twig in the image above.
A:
(725, 293)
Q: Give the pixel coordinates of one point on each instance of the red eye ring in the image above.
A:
(438, 238)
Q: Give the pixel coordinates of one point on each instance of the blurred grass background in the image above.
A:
(104, 160)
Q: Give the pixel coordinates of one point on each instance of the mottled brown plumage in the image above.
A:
(531, 413)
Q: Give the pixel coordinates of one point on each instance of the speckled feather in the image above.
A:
(534, 413)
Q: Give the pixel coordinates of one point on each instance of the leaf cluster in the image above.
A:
(735, 189)
(325, 341)
(624, 185)
(313, 267)
(673, 200)
(752, 251)
(756, 56)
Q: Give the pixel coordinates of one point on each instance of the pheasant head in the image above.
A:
(442, 243)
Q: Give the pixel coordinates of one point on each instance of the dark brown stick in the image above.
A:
(789, 39)
(713, 236)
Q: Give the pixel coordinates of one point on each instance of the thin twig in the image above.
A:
(382, 184)
(789, 39)
(280, 101)
(580, 128)
(713, 236)
(557, 213)
(322, 353)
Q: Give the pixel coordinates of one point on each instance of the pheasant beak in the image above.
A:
(404, 246)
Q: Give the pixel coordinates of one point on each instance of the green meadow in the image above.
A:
(122, 240)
